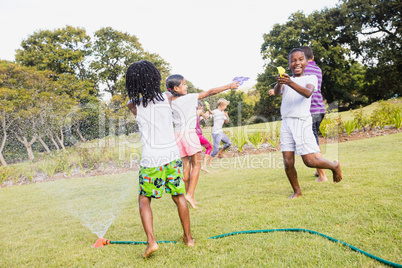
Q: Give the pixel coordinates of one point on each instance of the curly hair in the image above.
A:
(143, 82)
(296, 50)
(174, 81)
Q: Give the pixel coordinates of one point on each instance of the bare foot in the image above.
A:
(319, 179)
(196, 202)
(150, 249)
(294, 195)
(205, 169)
(222, 156)
(337, 173)
(189, 242)
(191, 201)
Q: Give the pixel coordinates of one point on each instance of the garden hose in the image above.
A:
(102, 242)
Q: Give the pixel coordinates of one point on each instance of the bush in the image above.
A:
(360, 118)
(397, 119)
(331, 127)
(350, 126)
(384, 115)
(240, 139)
(256, 139)
(273, 137)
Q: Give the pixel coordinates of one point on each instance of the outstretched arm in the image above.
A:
(217, 90)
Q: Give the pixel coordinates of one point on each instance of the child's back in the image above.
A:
(155, 124)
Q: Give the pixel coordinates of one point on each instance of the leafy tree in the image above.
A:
(114, 51)
(63, 50)
(83, 93)
(238, 110)
(7, 98)
(372, 29)
(28, 95)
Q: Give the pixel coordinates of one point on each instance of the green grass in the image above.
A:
(43, 225)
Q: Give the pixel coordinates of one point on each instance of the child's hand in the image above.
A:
(284, 79)
(234, 85)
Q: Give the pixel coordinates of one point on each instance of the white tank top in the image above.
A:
(157, 136)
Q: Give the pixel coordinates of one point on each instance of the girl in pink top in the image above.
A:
(204, 141)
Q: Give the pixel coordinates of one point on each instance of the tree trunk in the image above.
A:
(77, 128)
(50, 136)
(44, 144)
(3, 142)
(28, 145)
(61, 139)
(2, 160)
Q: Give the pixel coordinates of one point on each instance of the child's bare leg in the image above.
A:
(184, 215)
(320, 172)
(220, 154)
(204, 163)
(147, 222)
(210, 160)
(194, 175)
(322, 163)
(289, 162)
(186, 171)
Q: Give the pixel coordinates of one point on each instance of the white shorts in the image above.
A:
(297, 136)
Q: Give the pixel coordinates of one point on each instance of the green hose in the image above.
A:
(139, 242)
(392, 264)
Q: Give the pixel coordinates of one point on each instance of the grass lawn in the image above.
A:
(53, 224)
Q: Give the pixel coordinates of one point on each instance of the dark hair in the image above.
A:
(200, 103)
(308, 52)
(296, 50)
(174, 81)
(143, 82)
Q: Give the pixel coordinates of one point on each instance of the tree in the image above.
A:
(30, 99)
(7, 98)
(63, 50)
(238, 110)
(372, 28)
(114, 51)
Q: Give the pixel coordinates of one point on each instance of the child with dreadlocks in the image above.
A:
(185, 119)
(161, 166)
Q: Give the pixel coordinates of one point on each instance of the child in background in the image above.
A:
(185, 119)
(296, 130)
(204, 141)
(317, 108)
(161, 166)
(220, 117)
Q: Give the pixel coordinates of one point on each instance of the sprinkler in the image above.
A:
(101, 242)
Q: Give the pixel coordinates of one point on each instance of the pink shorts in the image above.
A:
(188, 142)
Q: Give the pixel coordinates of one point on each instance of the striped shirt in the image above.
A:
(317, 104)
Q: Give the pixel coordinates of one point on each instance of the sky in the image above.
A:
(209, 42)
